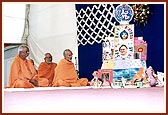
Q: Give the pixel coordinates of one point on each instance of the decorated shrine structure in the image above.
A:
(123, 54)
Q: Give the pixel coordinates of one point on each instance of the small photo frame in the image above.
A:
(106, 74)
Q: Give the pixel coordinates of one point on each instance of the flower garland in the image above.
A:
(141, 13)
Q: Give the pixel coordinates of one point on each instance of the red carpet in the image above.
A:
(85, 100)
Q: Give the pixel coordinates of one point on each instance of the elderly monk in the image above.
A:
(46, 71)
(65, 73)
(22, 71)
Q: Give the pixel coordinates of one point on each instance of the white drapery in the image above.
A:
(13, 19)
(51, 28)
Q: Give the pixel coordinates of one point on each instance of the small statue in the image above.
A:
(96, 82)
(151, 76)
(123, 80)
(140, 76)
(160, 78)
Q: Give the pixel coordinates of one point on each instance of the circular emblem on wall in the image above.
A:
(124, 13)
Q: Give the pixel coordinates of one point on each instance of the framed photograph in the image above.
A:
(127, 74)
(106, 74)
(108, 48)
(124, 42)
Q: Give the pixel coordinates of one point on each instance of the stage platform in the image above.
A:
(84, 100)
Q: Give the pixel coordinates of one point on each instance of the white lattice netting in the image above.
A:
(96, 23)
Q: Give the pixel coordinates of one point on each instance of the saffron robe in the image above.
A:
(21, 71)
(66, 75)
(46, 74)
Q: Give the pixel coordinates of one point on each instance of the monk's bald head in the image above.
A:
(68, 55)
(48, 58)
(66, 51)
(22, 48)
(47, 54)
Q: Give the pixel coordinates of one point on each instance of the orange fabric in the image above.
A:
(83, 81)
(20, 73)
(66, 75)
(46, 73)
(139, 75)
(43, 82)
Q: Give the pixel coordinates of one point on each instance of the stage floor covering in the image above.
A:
(84, 100)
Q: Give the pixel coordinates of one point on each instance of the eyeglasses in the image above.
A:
(25, 52)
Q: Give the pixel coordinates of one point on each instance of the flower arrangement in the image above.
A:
(141, 13)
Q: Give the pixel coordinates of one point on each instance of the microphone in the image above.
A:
(76, 66)
(76, 62)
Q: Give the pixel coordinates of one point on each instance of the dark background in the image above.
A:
(90, 56)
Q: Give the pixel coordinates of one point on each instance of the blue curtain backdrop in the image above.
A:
(90, 56)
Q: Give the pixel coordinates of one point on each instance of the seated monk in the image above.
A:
(22, 71)
(33, 63)
(46, 71)
(65, 73)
